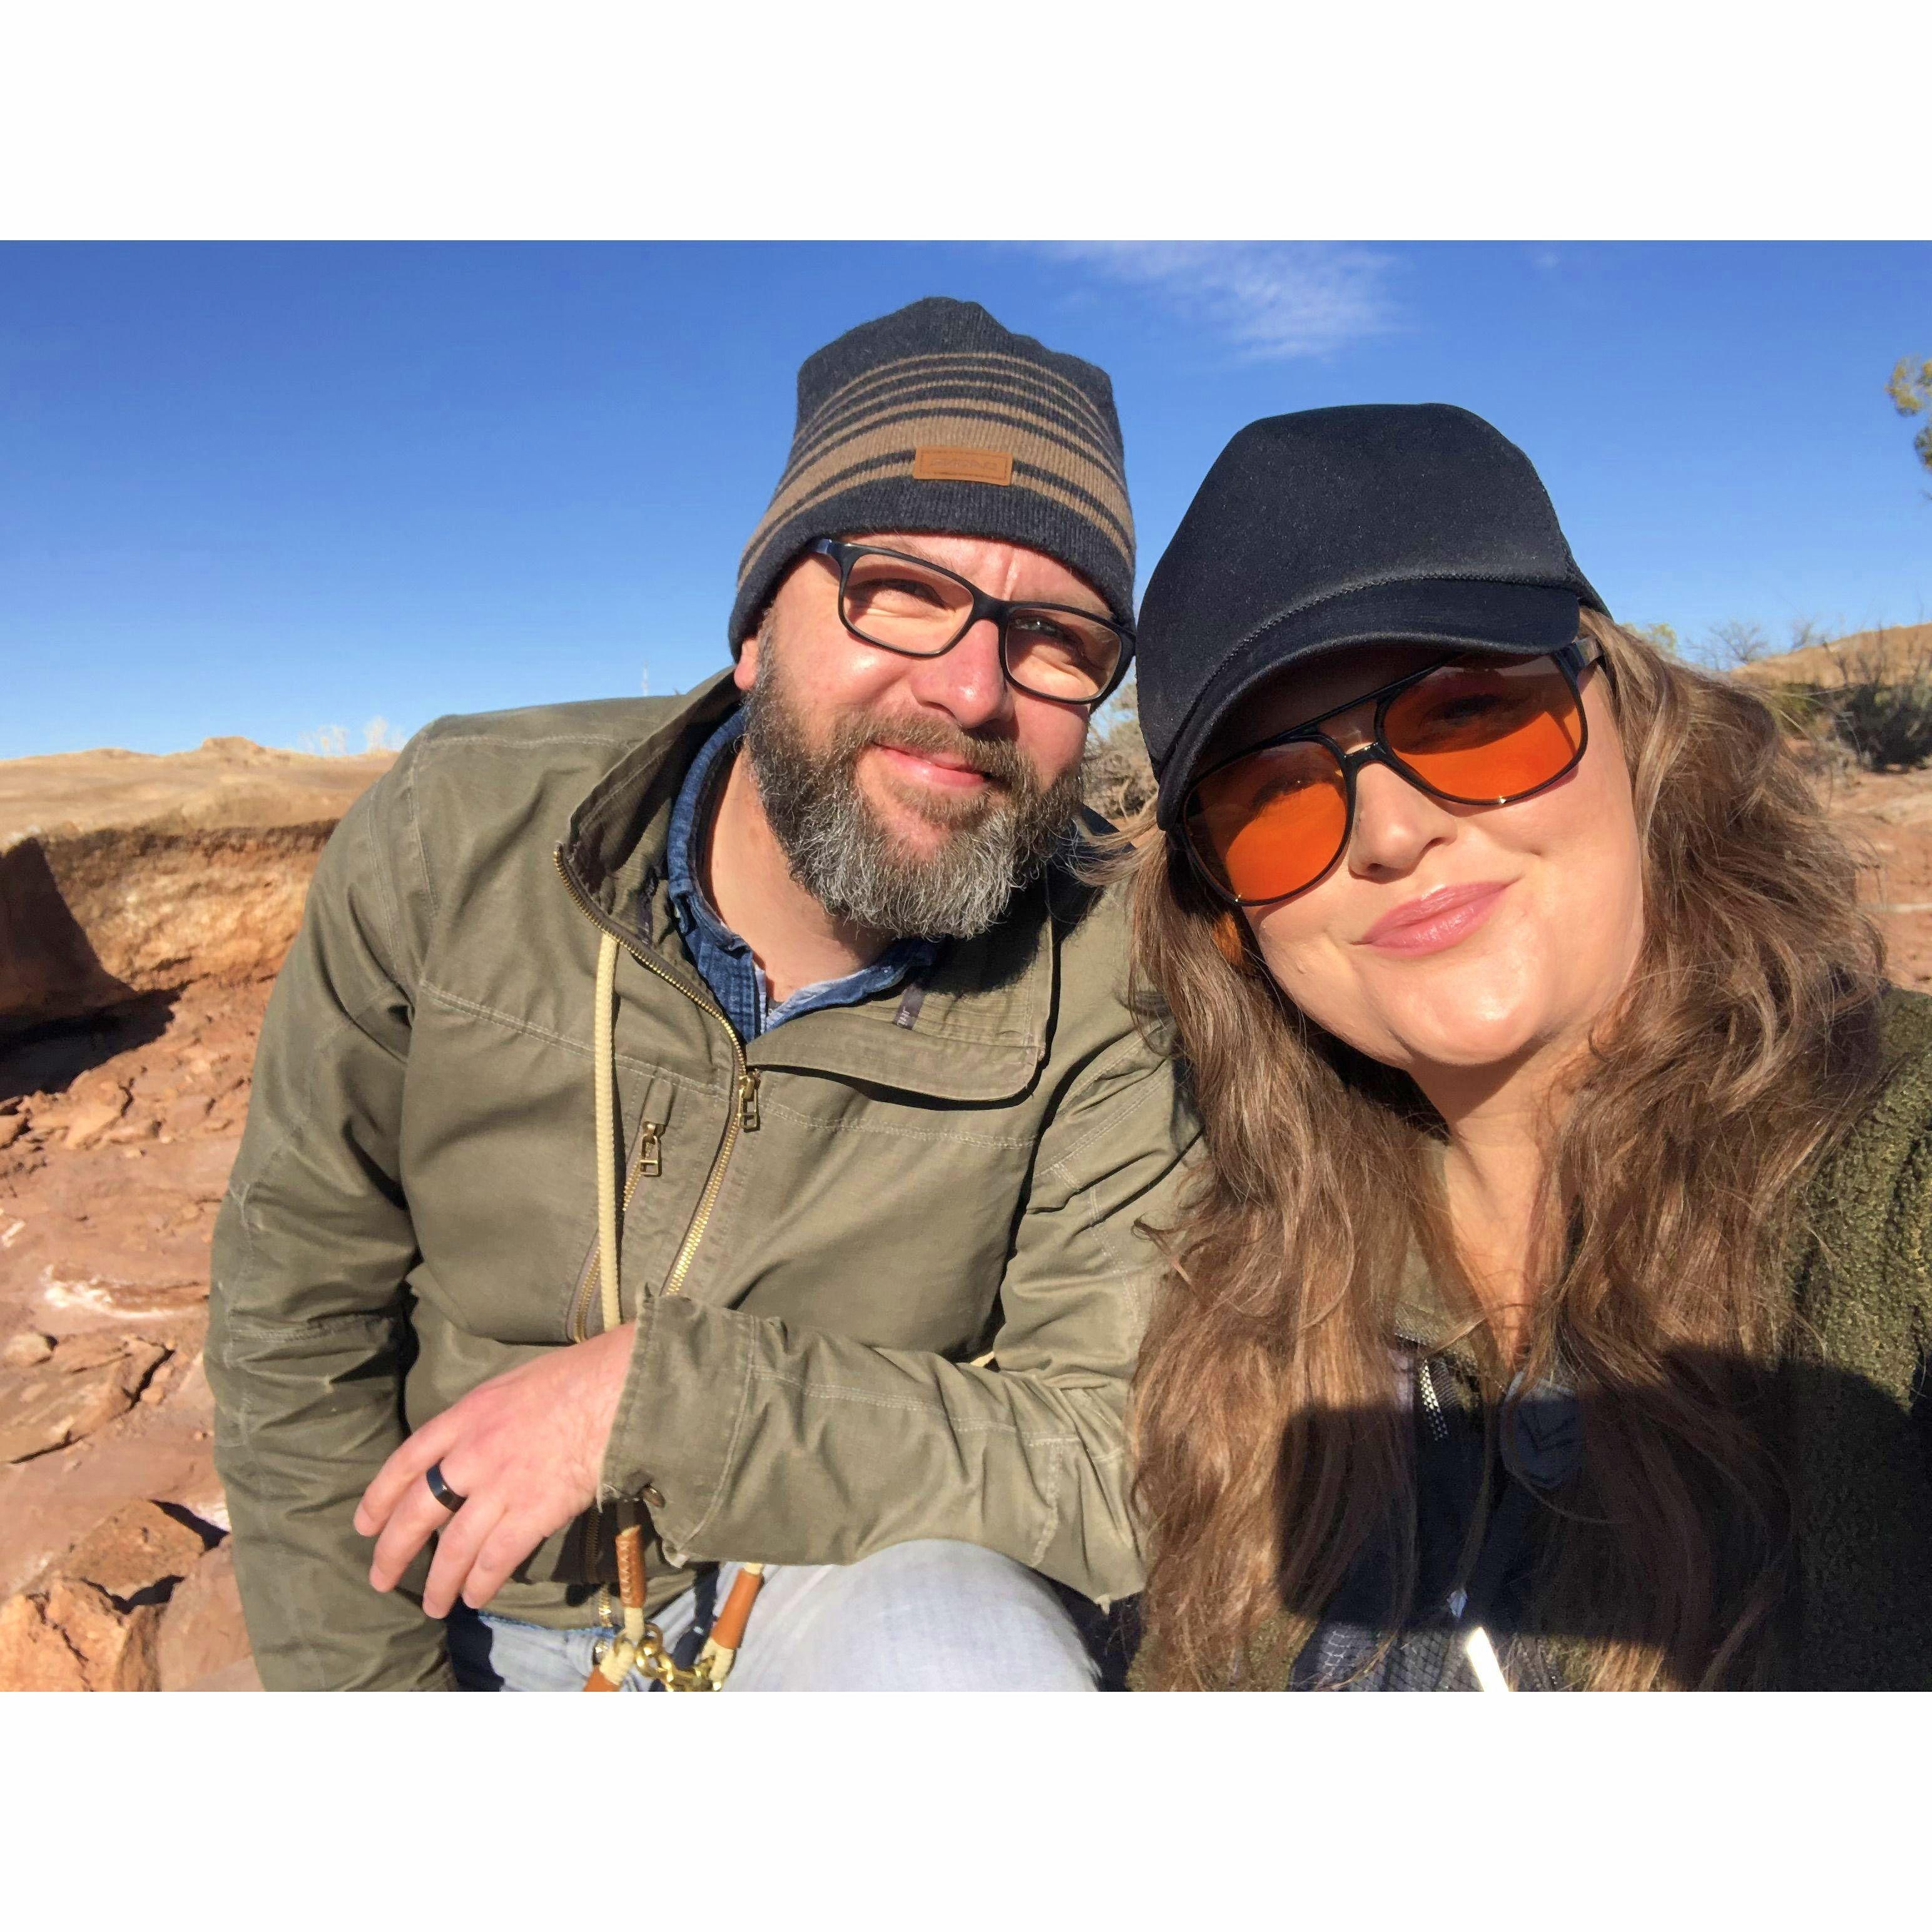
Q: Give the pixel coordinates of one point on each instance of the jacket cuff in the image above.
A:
(681, 1419)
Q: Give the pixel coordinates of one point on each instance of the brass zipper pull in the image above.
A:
(748, 1098)
(649, 1150)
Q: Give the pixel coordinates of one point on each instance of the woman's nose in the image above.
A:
(1396, 823)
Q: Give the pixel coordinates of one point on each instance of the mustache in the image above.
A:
(996, 758)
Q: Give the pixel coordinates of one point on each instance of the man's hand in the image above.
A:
(525, 1449)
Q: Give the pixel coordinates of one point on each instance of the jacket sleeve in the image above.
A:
(307, 1306)
(758, 1434)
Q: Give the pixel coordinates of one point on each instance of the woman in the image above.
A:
(1551, 1310)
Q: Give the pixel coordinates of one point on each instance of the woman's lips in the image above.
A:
(1437, 919)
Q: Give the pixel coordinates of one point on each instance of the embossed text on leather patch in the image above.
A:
(932, 464)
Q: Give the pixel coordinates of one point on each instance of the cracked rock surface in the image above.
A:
(123, 1131)
(80, 1385)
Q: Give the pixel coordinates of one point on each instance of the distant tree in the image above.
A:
(1807, 631)
(1659, 637)
(1736, 642)
(1910, 390)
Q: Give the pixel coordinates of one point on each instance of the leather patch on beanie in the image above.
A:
(934, 465)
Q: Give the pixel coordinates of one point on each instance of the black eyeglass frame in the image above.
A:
(1568, 658)
(998, 610)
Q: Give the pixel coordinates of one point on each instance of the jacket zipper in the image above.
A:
(1432, 1403)
(647, 1163)
(743, 1116)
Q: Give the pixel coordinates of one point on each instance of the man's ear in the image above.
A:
(745, 672)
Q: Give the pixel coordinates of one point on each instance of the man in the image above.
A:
(713, 1125)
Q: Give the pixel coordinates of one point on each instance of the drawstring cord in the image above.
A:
(615, 1664)
(608, 1152)
(642, 1643)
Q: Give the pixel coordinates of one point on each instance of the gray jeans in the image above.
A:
(919, 1616)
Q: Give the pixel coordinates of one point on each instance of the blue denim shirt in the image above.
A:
(723, 960)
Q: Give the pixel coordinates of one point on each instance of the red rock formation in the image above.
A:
(122, 874)
(95, 1621)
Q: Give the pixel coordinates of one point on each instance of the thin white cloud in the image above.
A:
(1270, 300)
(332, 741)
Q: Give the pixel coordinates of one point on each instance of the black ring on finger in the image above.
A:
(441, 1490)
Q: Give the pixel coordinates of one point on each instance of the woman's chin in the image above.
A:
(1475, 1037)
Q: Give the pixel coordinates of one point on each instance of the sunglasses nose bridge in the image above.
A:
(1374, 752)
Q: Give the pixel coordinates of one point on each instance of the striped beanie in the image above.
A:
(935, 419)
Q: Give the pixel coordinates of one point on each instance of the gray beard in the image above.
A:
(837, 849)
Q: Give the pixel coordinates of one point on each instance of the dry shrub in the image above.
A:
(1116, 778)
(1881, 707)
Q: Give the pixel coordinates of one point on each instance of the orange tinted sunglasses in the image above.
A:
(1274, 819)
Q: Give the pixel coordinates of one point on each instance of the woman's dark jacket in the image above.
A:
(1856, 1398)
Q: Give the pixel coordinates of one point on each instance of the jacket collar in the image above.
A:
(1421, 1317)
(976, 1029)
(616, 842)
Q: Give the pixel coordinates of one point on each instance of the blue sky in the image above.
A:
(267, 489)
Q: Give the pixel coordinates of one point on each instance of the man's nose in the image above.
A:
(966, 682)
(1396, 823)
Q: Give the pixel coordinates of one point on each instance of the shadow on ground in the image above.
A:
(49, 1059)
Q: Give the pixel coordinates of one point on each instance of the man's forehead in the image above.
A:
(995, 564)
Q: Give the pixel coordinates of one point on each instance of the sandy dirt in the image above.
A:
(1887, 818)
(226, 784)
(1899, 647)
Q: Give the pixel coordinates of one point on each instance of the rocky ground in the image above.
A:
(117, 1132)
(1888, 816)
(145, 905)
(115, 1142)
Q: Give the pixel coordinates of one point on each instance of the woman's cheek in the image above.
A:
(1316, 975)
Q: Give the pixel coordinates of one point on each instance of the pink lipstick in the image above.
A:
(1437, 920)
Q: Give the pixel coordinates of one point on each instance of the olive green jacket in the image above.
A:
(825, 1232)
(1854, 1399)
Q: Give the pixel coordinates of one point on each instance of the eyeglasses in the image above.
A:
(905, 604)
(1275, 819)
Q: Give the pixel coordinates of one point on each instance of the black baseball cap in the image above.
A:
(1377, 523)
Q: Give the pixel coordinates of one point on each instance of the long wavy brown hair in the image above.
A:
(1269, 1446)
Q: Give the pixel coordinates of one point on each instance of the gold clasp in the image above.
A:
(654, 1660)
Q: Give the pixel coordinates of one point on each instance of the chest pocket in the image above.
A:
(889, 1223)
